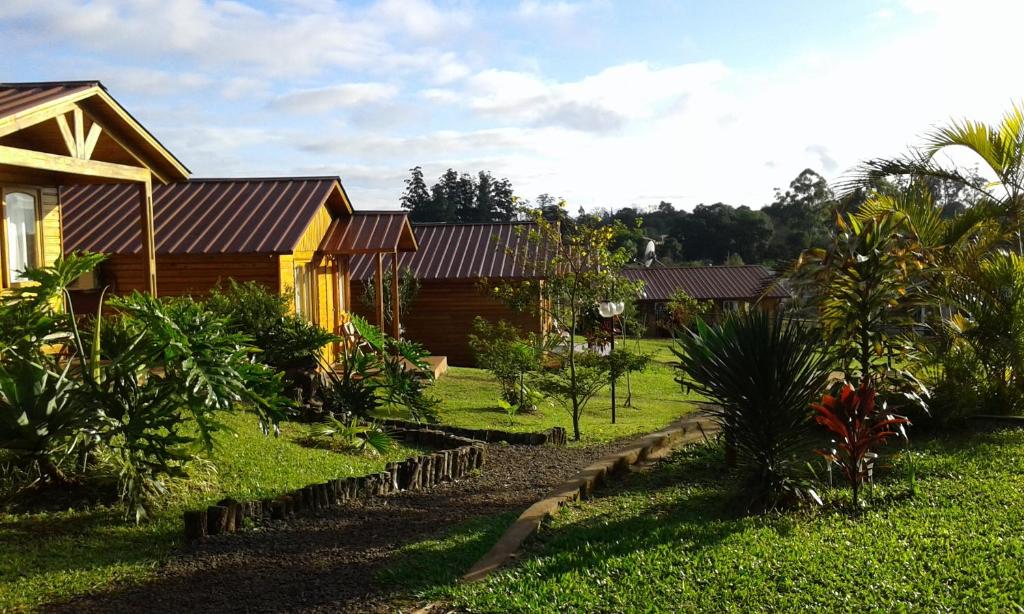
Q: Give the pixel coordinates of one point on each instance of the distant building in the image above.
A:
(728, 288)
(450, 264)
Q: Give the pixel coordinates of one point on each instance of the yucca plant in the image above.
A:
(859, 427)
(761, 373)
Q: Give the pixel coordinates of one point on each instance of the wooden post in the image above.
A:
(148, 239)
(396, 329)
(379, 287)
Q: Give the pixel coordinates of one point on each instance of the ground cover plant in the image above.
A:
(469, 398)
(673, 540)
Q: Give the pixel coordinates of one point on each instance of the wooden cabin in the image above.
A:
(293, 235)
(450, 264)
(59, 134)
(727, 288)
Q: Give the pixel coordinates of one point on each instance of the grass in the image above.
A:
(50, 557)
(671, 540)
(469, 399)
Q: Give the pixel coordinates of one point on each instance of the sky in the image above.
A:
(606, 104)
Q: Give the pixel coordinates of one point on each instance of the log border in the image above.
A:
(556, 435)
(455, 457)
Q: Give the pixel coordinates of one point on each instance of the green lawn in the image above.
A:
(469, 399)
(672, 540)
(54, 556)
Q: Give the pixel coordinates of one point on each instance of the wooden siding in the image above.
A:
(188, 275)
(441, 316)
(314, 233)
(51, 241)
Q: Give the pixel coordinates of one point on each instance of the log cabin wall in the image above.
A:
(441, 316)
(189, 275)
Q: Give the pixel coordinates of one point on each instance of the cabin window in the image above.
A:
(304, 291)
(21, 234)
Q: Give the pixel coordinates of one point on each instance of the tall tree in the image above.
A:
(417, 199)
(801, 216)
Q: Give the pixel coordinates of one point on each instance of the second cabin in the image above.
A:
(293, 235)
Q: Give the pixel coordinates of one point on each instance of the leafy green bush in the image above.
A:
(284, 340)
(156, 375)
(509, 355)
(682, 309)
(762, 373)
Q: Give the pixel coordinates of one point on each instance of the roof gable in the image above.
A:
(79, 119)
(201, 216)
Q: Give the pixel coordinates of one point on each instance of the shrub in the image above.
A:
(285, 340)
(682, 309)
(156, 375)
(762, 373)
(507, 354)
(858, 429)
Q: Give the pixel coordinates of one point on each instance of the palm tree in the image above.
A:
(999, 147)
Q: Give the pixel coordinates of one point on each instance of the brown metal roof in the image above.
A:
(459, 251)
(201, 216)
(368, 232)
(747, 282)
(17, 97)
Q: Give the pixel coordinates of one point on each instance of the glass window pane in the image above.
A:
(299, 285)
(21, 234)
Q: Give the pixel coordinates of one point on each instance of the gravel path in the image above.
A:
(328, 563)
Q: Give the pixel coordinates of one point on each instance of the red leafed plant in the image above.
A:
(858, 427)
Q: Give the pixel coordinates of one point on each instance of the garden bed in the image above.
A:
(555, 435)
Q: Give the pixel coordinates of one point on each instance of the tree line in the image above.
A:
(796, 219)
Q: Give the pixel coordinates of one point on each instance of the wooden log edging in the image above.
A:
(455, 458)
(556, 436)
(647, 448)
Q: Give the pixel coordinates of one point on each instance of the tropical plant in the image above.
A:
(351, 390)
(859, 429)
(39, 423)
(999, 148)
(155, 376)
(761, 373)
(351, 435)
(399, 368)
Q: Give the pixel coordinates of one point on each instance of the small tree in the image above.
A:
(579, 269)
(509, 355)
(682, 309)
(408, 289)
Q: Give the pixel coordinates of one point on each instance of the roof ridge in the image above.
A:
(508, 223)
(255, 179)
(17, 84)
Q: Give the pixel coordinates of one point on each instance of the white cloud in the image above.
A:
(335, 97)
(536, 9)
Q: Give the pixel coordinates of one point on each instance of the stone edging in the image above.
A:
(457, 457)
(649, 447)
(554, 436)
